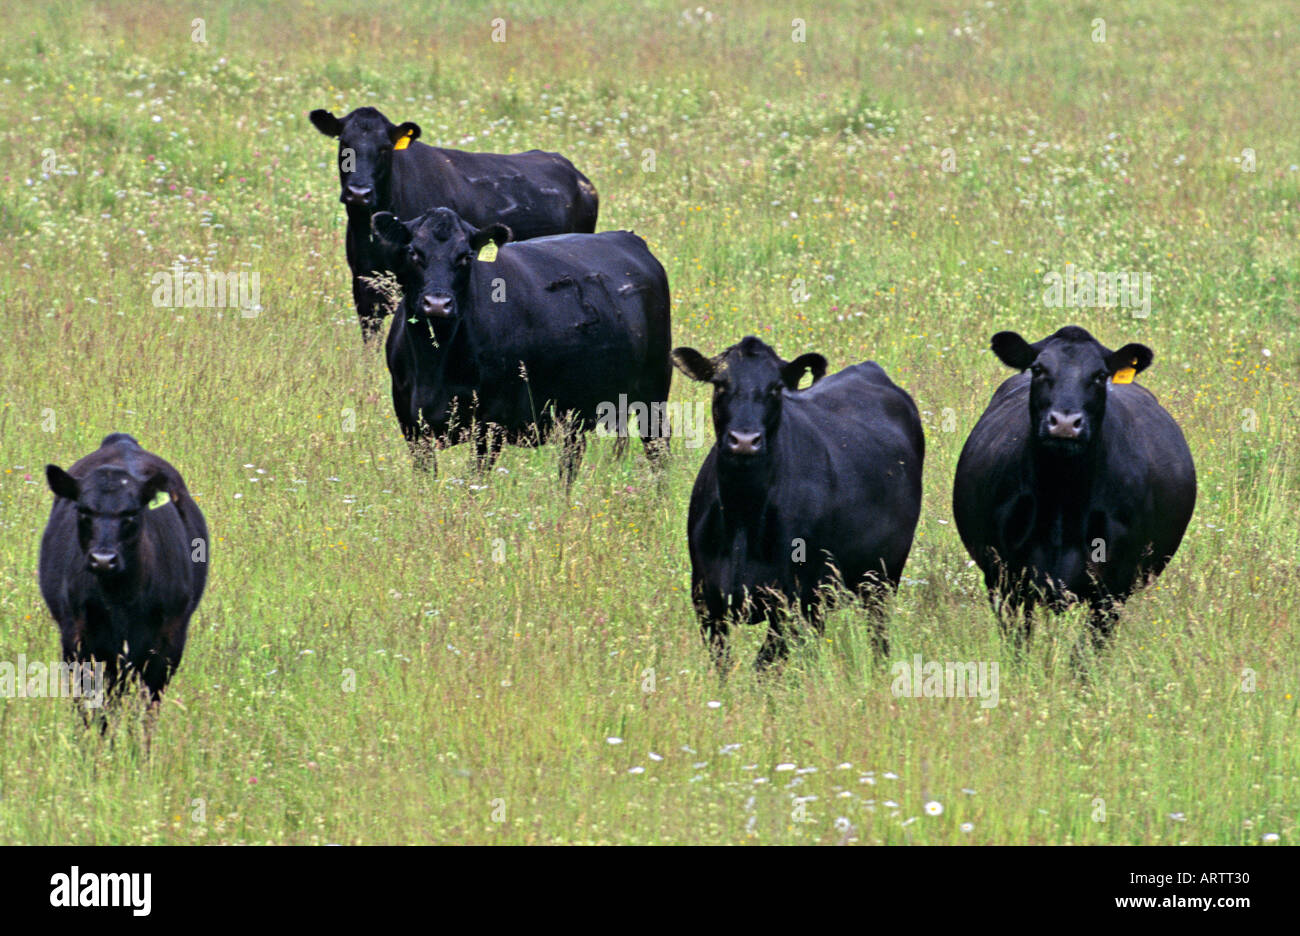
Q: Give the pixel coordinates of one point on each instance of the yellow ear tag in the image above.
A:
(404, 142)
(160, 499)
(1124, 375)
(488, 252)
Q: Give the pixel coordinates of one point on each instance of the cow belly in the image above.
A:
(1056, 572)
(731, 572)
(728, 587)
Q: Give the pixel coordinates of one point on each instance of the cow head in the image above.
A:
(750, 382)
(431, 257)
(110, 504)
(367, 140)
(1070, 373)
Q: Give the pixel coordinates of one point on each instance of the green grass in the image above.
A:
(485, 691)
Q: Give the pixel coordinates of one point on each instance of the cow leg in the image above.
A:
(620, 446)
(90, 716)
(876, 624)
(1025, 631)
(149, 719)
(812, 613)
(655, 436)
(423, 456)
(71, 635)
(488, 440)
(1015, 618)
(421, 447)
(372, 305)
(1009, 597)
(370, 329)
(79, 704)
(573, 445)
(110, 682)
(656, 451)
(162, 663)
(71, 657)
(776, 648)
(714, 632)
(1101, 627)
(116, 677)
(1105, 615)
(874, 593)
(92, 680)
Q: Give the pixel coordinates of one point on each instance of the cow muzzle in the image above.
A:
(102, 563)
(436, 306)
(1065, 425)
(361, 195)
(744, 443)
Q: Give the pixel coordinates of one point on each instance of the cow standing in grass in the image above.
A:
(545, 333)
(384, 167)
(802, 488)
(1075, 484)
(122, 575)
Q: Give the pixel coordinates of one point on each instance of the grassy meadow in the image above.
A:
(386, 657)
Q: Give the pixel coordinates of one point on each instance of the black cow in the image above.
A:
(122, 576)
(1075, 484)
(383, 167)
(801, 487)
(497, 349)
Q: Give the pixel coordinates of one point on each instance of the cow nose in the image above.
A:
(357, 194)
(102, 561)
(437, 306)
(744, 443)
(1064, 425)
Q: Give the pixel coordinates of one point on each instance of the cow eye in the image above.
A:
(463, 260)
(1099, 377)
(1037, 370)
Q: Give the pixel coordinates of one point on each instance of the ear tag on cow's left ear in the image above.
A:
(159, 500)
(403, 142)
(488, 252)
(1124, 375)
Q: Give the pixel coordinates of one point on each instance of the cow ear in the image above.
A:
(151, 488)
(693, 364)
(1136, 356)
(326, 122)
(404, 134)
(388, 227)
(1012, 350)
(62, 483)
(162, 481)
(793, 371)
(496, 233)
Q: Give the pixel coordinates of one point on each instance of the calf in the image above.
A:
(1075, 484)
(802, 487)
(121, 579)
(384, 167)
(498, 349)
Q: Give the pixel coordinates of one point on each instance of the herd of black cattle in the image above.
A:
(516, 320)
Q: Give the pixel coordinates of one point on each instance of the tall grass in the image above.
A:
(363, 669)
